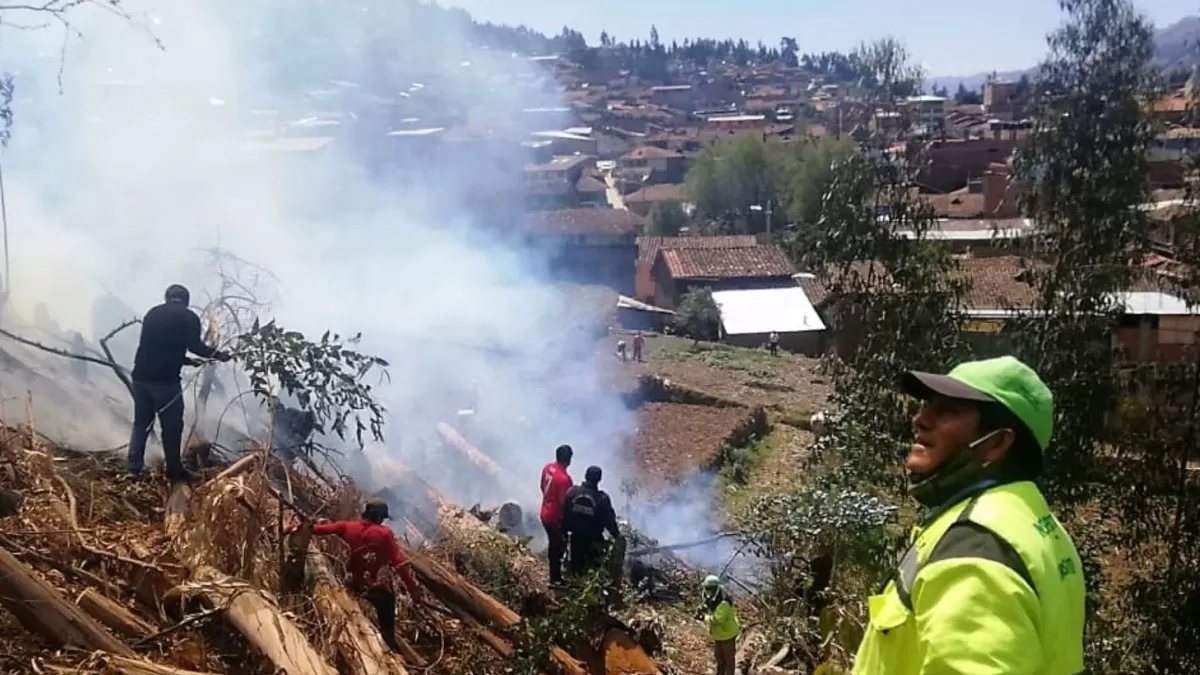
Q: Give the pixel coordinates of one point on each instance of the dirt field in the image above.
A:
(786, 384)
(675, 440)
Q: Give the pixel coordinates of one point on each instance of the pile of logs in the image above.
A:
(215, 576)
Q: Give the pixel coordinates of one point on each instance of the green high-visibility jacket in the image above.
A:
(720, 616)
(992, 585)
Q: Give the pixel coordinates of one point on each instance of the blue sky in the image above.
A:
(948, 38)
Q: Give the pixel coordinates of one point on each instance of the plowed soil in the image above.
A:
(676, 440)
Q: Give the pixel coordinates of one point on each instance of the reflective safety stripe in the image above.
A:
(910, 564)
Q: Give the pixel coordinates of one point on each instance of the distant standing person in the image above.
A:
(721, 619)
(639, 344)
(169, 332)
(773, 343)
(556, 482)
(587, 514)
(621, 350)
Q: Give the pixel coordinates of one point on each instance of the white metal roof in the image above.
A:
(763, 310)
(1137, 303)
(1155, 303)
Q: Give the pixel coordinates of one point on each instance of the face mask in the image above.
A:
(957, 472)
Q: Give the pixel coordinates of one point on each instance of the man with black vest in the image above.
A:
(587, 514)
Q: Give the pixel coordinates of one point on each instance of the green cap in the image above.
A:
(711, 581)
(1003, 380)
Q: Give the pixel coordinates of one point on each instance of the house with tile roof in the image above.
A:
(648, 248)
(1156, 325)
(676, 271)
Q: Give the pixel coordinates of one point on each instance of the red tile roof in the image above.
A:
(648, 247)
(727, 263)
(667, 192)
(997, 282)
(584, 221)
(957, 205)
(651, 152)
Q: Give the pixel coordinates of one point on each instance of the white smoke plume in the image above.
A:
(170, 135)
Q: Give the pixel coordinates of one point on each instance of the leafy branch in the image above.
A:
(326, 377)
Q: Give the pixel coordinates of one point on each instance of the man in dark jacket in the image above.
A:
(169, 332)
(588, 514)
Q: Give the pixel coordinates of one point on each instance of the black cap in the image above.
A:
(375, 509)
(177, 293)
(923, 386)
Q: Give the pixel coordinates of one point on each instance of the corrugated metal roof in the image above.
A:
(766, 310)
(1154, 303)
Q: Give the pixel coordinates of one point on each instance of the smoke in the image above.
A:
(269, 129)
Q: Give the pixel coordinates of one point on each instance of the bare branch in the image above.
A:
(110, 362)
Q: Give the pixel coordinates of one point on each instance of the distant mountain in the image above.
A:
(1177, 49)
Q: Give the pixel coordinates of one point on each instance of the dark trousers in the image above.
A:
(557, 549)
(726, 653)
(586, 553)
(384, 602)
(165, 401)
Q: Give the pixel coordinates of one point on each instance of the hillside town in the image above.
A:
(595, 168)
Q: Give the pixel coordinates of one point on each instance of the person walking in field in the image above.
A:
(639, 346)
(991, 582)
(721, 619)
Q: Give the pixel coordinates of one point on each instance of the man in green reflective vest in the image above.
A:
(991, 582)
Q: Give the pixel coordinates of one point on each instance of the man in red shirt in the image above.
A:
(639, 344)
(372, 547)
(555, 483)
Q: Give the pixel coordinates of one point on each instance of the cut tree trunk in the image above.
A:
(123, 666)
(750, 646)
(40, 608)
(113, 615)
(452, 438)
(451, 588)
(255, 616)
(355, 637)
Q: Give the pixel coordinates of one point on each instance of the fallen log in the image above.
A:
(750, 646)
(125, 666)
(451, 588)
(113, 615)
(354, 637)
(42, 610)
(256, 616)
(504, 480)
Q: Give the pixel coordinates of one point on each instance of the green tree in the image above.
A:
(885, 67)
(698, 315)
(730, 177)
(964, 96)
(666, 219)
(1086, 167)
(812, 175)
(1124, 431)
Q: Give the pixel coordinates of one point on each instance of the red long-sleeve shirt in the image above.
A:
(371, 547)
(555, 483)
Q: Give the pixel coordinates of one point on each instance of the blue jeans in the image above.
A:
(164, 400)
